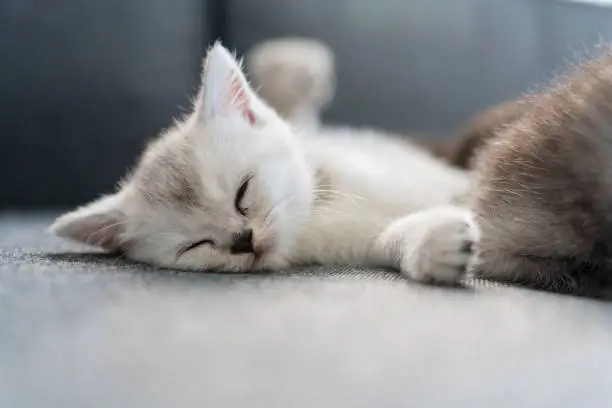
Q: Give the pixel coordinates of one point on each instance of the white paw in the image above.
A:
(444, 251)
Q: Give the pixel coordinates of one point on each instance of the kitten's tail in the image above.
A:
(295, 76)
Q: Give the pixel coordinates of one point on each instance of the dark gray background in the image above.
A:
(84, 83)
(428, 65)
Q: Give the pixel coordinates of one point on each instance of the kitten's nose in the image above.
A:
(242, 242)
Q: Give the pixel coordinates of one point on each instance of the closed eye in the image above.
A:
(194, 245)
(240, 196)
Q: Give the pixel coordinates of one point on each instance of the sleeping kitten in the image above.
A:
(234, 188)
(543, 193)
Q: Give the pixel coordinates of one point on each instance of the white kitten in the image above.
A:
(233, 188)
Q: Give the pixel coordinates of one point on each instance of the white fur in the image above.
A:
(391, 206)
(340, 196)
(295, 76)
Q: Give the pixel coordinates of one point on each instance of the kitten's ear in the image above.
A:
(225, 91)
(100, 223)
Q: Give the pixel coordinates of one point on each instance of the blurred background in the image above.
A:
(84, 83)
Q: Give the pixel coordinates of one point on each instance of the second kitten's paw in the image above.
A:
(445, 250)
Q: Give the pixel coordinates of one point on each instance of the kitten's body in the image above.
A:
(233, 187)
(367, 170)
(543, 193)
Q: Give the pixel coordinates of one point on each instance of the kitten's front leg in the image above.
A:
(433, 245)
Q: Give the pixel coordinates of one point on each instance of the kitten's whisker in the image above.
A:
(271, 209)
(338, 194)
(332, 190)
(322, 211)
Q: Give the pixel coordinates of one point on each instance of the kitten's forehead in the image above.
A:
(169, 176)
(190, 169)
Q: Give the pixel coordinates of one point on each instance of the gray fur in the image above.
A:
(166, 176)
(543, 188)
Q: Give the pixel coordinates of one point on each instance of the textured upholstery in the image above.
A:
(85, 330)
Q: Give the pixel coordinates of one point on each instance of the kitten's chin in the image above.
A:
(270, 262)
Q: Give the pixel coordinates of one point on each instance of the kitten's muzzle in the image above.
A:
(242, 243)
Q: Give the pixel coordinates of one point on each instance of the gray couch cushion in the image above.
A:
(83, 85)
(81, 329)
(428, 65)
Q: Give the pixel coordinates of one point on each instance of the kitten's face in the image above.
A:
(228, 189)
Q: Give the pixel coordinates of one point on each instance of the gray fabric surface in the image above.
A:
(79, 330)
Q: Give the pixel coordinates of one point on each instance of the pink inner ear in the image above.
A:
(239, 98)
